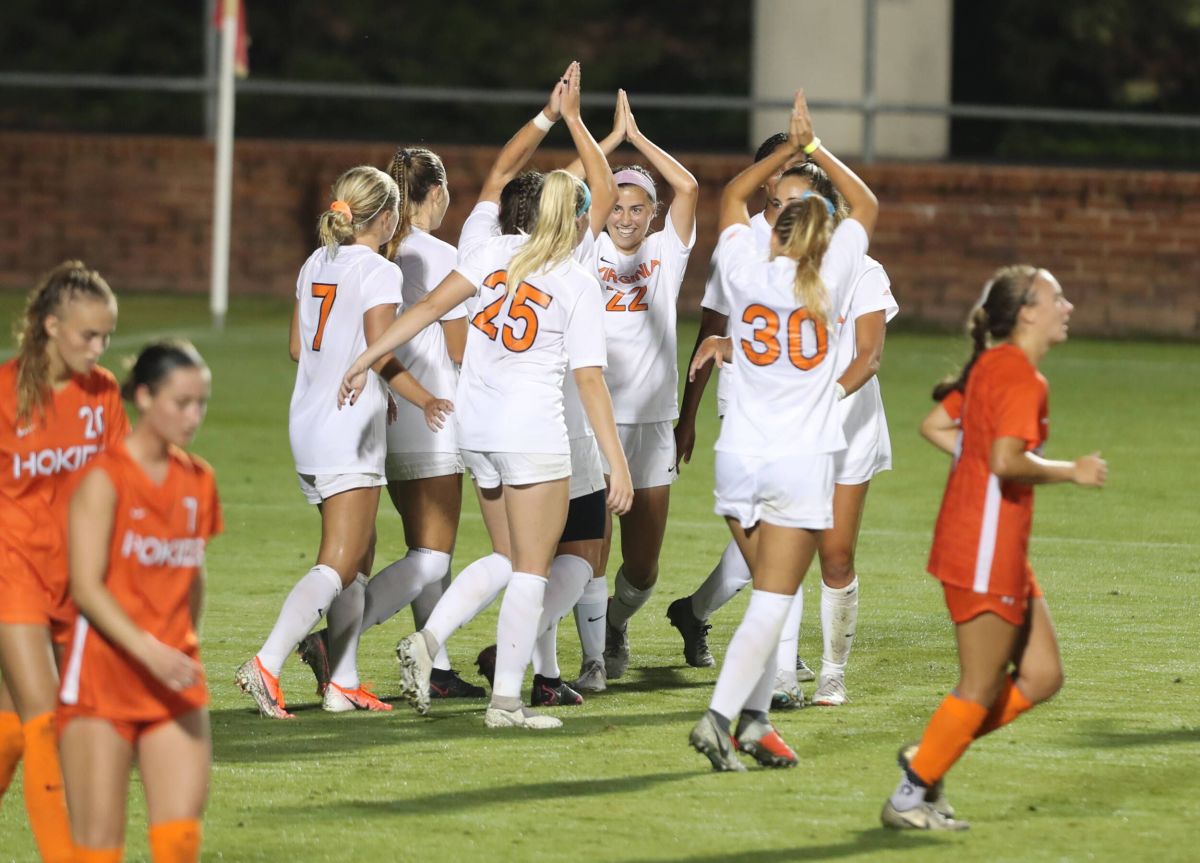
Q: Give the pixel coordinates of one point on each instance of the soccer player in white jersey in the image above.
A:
(775, 455)
(423, 467)
(508, 204)
(690, 614)
(537, 314)
(346, 296)
(641, 274)
(861, 325)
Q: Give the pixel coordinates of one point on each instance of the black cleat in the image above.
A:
(447, 684)
(552, 692)
(694, 632)
(313, 651)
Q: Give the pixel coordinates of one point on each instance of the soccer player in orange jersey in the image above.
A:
(58, 408)
(981, 539)
(132, 680)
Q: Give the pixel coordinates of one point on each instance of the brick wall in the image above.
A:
(1124, 244)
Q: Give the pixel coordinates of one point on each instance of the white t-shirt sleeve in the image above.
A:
(473, 264)
(673, 254)
(843, 259)
(714, 290)
(383, 286)
(585, 252)
(584, 334)
(482, 224)
(440, 263)
(736, 255)
(873, 293)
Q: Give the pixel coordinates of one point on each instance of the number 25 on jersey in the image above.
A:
(765, 349)
(520, 311)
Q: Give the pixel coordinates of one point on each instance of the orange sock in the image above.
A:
(98, 855)
(175, 841)
(1010, 704)
(950, 731)
(44, 798)
(12, 744)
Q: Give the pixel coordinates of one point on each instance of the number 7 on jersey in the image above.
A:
(326, 293)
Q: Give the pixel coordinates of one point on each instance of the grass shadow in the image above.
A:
(504, 796)
(1106, 734)
(658, 679)
(877, 841)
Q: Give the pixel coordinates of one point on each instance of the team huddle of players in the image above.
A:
(540, 355)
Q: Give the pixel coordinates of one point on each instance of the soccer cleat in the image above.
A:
(339, 700)
(263, 687)
(486, 663)
(694, 632)
(416, 666)
(447, 684)
(921, 817)
(831, 692)
(592, 677)
(804, 674)
(616, 651)
(715, 745)
(762, 742)
(935, 795)
(787, 694)
(313, 651)
(522, 717)
(546, 693)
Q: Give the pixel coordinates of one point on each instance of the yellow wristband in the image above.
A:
(812, 146)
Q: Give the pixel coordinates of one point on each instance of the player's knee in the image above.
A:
(1041, 684)
(837, 566)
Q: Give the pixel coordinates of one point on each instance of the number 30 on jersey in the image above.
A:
(765, 348)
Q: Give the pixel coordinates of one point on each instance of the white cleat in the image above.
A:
(787, 694)
(592, 677)
(831, 692)
(416, 666)
(804, 674)
(920, 817)
(522, 717)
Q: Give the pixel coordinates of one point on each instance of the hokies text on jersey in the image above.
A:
(156, 551)
(53, 460)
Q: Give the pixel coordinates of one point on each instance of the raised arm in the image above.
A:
(430, 308)
(741, 188)
(596, 172)
(515, 154)
(611, 141)
(864, 207)
(90, 526)
(683, 184)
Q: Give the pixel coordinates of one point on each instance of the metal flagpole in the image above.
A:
(223, 175)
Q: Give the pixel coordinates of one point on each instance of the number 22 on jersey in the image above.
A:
(326, 293)
(520, 310)
(765, 349)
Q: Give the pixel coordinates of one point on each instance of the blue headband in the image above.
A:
(828, 205)
(587, 201)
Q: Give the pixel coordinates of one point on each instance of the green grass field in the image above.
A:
(1107, 770)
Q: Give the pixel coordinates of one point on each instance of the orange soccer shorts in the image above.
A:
(25, 597)
(965, 604)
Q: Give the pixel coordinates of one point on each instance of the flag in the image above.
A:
(241, 53)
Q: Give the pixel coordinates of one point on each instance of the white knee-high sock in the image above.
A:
(626, 600)
(730, 575)
(839, 619)
(345, 623)
(516, 632)
(475, 588)
(789, 640)
(423, 606)
(399, 583)
(304, 606)
(759, 698)
(589, 618)
(569, 577)
(751, 650)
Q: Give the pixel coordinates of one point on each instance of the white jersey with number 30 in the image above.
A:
(784, 400)
(332, 294)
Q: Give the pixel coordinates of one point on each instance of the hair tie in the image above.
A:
(828, 204)
(587, 201)
(629, 177)
(343, 208)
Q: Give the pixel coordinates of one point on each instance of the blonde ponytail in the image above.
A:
(360, 195)
(804, 229)
(554, 235)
